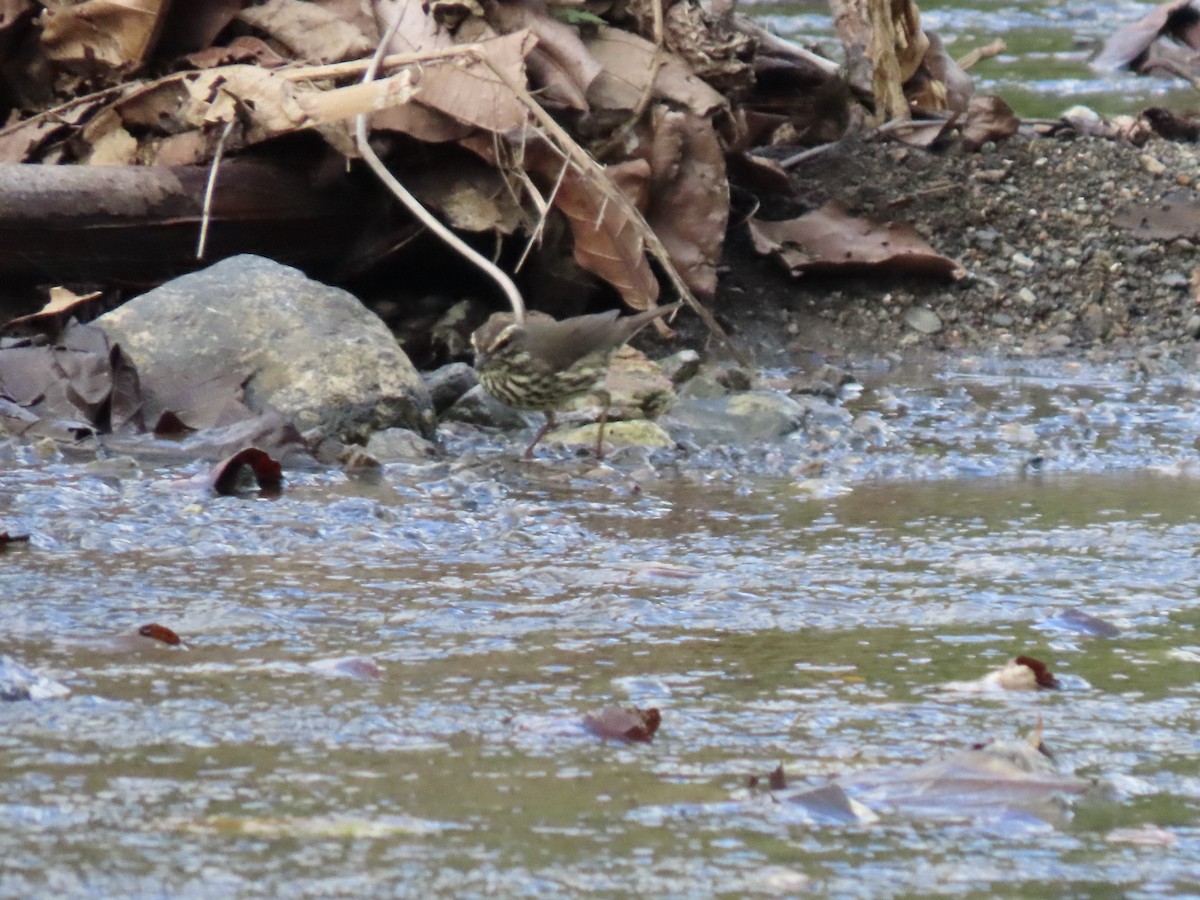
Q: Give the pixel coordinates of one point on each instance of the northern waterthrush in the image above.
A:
(543, 363)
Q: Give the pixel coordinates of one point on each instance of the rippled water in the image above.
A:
(772, 617)
(1044, 69)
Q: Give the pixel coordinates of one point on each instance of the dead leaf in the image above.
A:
(242, 49)
(561, 66)
(51, 318)
(1177, 20)
(232, 474)
(628, 723)
(1173, 126)
(6, 539)
(1084, 623)
(940, 83)
(11, 12)
(463, 89)
(831, 240)
(1176, 215)
(160, 633)
(988, 118)
(627, 62)
(24, 141)
(689, 195)
(607, 243)
(310, 32)
(102, 35)
(1021, 674)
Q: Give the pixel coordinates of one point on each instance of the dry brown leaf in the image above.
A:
(242, 49)
(1176, 215)
(12, 10)
(264, 101)
(627, 62)
(829, 240)
(988, 118)
(51, 317)
(311, 32)
(462, 89)
(607, 243)
(470, 195)
(100, 35)
(940, 83)
(24, 141)
(689, 195)
(563, 70)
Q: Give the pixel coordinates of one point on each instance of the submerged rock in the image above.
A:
(312, 352)
(17, 682)
(741, 419)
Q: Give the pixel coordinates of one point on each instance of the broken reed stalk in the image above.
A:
(414, 206)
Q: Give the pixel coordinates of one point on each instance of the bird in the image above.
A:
(542, 363)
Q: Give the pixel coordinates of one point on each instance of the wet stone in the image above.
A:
(739, 419)
(478, 407)
(395, 444)
(923, 319)
(447, 384)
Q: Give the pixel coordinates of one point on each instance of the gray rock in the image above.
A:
(316, 354)
(923, 319)
(478, 407)
(742, 419)
(393, 444)
(681, 367)
(447, 384)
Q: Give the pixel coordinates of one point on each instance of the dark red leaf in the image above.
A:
(777, 780)
(1045, 678)
(225, 476)
(627, 724)
(160, 633)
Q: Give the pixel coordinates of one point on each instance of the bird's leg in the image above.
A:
(605, 399)
(541, 434)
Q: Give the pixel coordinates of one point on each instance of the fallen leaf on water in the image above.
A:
(348, 666)
(1021, 674)
(160, 633)
(6, 539)
(231, 475)
(623, 723)
(1145, 836)
(1084, 623)
(829, 240)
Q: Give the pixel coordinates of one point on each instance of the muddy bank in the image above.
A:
(1043, 227)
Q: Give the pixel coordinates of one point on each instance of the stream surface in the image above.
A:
(771, 614)
(1044, 68)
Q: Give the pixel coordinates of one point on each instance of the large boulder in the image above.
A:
(312, 352)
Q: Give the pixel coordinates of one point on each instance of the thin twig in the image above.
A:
(206, 215)
(810, 153)
(414, 206)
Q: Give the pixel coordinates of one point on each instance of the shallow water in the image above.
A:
(1044, 69)
(771, 617)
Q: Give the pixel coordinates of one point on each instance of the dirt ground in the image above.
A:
(1036, 223)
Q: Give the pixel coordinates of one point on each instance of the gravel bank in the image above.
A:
(1036, 222)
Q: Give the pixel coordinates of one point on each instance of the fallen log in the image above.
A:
(136, 226)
